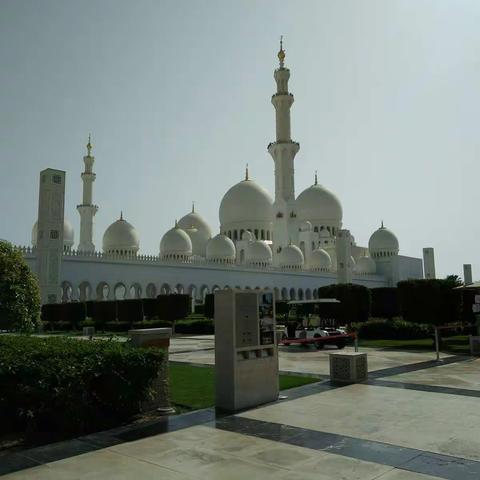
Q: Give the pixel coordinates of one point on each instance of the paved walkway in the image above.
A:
(413, 420)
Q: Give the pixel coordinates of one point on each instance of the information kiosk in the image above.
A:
(246, 356)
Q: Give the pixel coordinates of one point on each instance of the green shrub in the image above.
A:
(153, 324)
(199, 309)
(385, 302)
(130, 310)
(104, 312)
(429, 301)
(88, 322)
(117, 326)
(355, 301)
(396, 329)
(209, 308)
(19, 292)
(150, 308)
(67, 385)
(197, 327)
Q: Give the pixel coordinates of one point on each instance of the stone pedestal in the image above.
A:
(156, 338)
(348, 367)
(474, 345)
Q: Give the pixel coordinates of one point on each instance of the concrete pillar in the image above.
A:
(467, 274)
(428, 263)
(51, 204)
(156, 338)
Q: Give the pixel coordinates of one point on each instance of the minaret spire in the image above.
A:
(283, 151)
(86, 209)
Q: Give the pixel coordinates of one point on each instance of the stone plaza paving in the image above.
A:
(414, 419)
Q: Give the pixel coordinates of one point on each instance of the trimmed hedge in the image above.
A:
(130, 311)
(71, 386)
(430, 301)
(396, 329)
(209, 307)
(385, 302)
(355, 301)
(202, 326)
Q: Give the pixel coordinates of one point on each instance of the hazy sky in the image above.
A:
(177, 95)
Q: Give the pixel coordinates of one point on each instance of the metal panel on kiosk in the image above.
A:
(246, 356)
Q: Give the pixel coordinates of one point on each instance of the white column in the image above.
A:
(86, 209)
(283, 152)
(344, 254)
(51, 204)
(467, 274)
(428, 263)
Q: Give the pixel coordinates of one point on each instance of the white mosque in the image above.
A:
(290, 244)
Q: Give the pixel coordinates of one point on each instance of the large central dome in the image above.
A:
(321, 207)
(247, 206)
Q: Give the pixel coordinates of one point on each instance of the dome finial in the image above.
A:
(246, 172)
(176, 223)
(281, 53)
(382, 225)
(193, 206)
(121, 214)
(89, 146)
(316, 178)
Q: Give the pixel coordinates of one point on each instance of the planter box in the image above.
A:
(348, 367)
(474, 345)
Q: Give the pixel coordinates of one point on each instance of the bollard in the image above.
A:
(437, 344)
(156, 338)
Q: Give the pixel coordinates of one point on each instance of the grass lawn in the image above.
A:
(193, 387)
(458, 344)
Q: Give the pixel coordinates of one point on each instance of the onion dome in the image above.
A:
(320, 206)
(383, 243)
(176, 245)
(121, 238)
(199, 242)
(365, 266)
(259, 254)
(247, 236)
(247, 205)
(220, 249)
(203, 234)
(320, 261)
(68, 235)
(306, 226)
(291, 258)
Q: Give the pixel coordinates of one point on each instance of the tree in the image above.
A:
(19, 292)
(455, 280)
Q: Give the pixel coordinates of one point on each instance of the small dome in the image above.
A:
(121, 238)
(320, 260)
(383, 243)
(220, 249)
(199, 242)
(365, 266)
(176, 244)
(246, 202)
(247, 236)
(68, 235)
(319, 206)
(195, 220)
(306, 226)
(291, 257)
(259, 253)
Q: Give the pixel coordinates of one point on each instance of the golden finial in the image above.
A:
(89, 146)
(281, 53)
(316, 178)
(193, 206)
(246, 172)
(121, 214)
(176, 223)
(382, 225)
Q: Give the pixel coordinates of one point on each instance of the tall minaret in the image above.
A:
(283, 152)
(87, 210)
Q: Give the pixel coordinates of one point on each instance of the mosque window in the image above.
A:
(54, 234)
(315, 229)
(235, 235)
(263, 234)
(57, 179)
